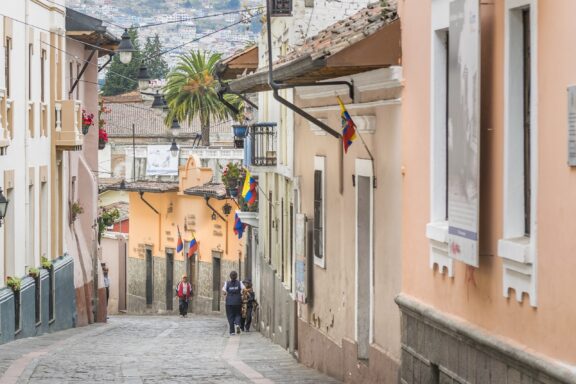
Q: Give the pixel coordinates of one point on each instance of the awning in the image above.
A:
(368, 40)
(90, 30)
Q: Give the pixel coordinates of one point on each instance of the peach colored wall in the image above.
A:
(479, 300)
(334, 300)
(146, 227)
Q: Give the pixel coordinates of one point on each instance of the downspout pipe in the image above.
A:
(141, 193)
(207, 199)
(276, 87)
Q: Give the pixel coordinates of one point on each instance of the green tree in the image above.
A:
(191, 92)
(157, 66)
(122, 78)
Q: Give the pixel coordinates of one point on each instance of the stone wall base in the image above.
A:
(437, 348)
(319, 352)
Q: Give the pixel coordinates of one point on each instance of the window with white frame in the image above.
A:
(518, 245)
(437, 228)
(319, 211)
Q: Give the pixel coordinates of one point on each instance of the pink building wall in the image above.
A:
(477, 298)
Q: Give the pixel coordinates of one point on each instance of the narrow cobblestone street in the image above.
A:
(159, 349)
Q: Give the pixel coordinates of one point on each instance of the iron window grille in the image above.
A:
(263, 144)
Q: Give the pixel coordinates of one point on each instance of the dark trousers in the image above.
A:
(107, 295)
(234, 315)
(183, 305)
(245, 323)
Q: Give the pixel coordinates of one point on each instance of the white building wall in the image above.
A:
(26, 154)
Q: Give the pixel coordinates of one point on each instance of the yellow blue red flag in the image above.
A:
(348, 127)
(249, 192)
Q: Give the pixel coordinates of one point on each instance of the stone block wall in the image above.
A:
(63, 296)
(136, 300)
(439, 349)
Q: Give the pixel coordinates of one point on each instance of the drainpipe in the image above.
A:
(141, 193)
(207, 199)
(276, 87)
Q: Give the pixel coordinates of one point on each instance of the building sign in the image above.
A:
(301, 262)
(572, 126)
(161, 162)
(281, 8)
(464, 131)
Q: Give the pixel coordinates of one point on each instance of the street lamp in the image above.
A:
(125, 48)
(175, 127)
(3, 206)
(174, 148)
(143, 78)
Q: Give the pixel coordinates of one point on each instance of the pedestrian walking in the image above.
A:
(233, 293)
(249, 304)
(106, 282)
(184, 291)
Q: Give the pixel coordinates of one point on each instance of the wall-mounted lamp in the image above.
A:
(226, 208)
(214, 216)
(3, 206)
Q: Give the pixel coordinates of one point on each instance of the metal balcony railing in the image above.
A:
(263, 144)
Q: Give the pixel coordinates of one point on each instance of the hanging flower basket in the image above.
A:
(87, 121)
(101, 144)
(240, 131)
(102, 138)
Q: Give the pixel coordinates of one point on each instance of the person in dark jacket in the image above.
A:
(249, 304)
(233, 292)
(184, 291)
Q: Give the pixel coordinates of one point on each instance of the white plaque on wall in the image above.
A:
(464, 131)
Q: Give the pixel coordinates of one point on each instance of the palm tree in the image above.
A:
(190, 92)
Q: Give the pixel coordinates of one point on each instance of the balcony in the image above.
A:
(68, 129)
(262, 145)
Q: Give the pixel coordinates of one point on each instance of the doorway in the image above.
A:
(216, 280)
(149, 277)
(364, 263)
(169, 279)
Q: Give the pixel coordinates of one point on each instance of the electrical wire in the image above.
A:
(237, 11)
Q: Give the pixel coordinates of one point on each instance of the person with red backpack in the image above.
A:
(184, 292)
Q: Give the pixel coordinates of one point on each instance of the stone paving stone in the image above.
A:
(153, 349)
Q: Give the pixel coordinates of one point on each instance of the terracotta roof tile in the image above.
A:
(345, 32)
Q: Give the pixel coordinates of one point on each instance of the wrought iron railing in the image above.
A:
(263, 144)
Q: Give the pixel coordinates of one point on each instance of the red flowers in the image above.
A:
(102, 135)
(87, 118)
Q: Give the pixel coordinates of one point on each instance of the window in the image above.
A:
(319, 211)
(7, 50)
(517, 247)
(42, 75)
(30, 54)
(437, 228)
(77, 85)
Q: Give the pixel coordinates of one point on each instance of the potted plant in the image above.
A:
(106, 219)
(240, 130)
(33, 272)
(87, 121)
(75, 210)
(230, 177)
(13, 282)
(102, 134)
(45, 263)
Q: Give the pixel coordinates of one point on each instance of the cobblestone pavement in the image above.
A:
(152, 349)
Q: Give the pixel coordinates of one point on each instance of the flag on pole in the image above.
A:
(249, 191)
(193, 246)
(348, 126)
(238, 226)
(180, 244)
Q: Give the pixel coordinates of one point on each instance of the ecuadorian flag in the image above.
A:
(348, 126)
(193, 246)
(249, 191)
(180, 244)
